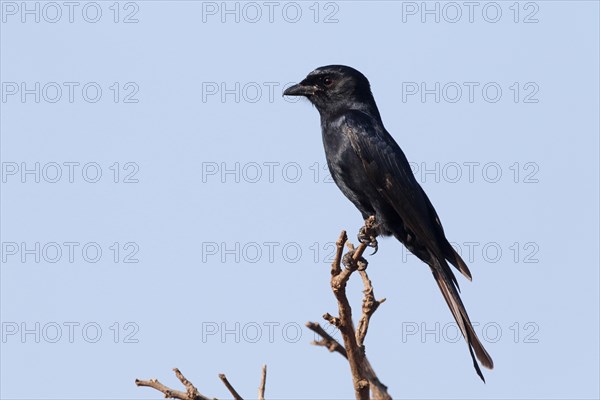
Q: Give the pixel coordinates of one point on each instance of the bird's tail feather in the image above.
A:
(456, 260)
(460, 315)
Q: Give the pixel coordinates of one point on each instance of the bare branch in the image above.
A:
(233, 392)
(369, 306)
(263, 383)
(339, 278)
(326, 339)
(378, 389)
(169, 393)
(191, 389)
(191, 394)
(339, 246)
(363, 375)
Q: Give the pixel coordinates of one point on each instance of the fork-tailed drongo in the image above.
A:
(371, 170)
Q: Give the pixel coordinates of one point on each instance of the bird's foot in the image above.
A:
(368, 234)
(370, 241)
(352, 264)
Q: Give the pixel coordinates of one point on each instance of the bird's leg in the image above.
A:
(368, 234)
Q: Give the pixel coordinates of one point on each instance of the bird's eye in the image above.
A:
(327, 81)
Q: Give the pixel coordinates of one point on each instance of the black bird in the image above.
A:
(371, 170)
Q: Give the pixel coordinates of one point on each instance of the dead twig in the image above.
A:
(263, 383)
(233, 392)
(326, 340)
(192, 393)
(369, 306)
(363, 375)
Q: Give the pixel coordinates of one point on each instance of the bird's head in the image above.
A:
(334, 87)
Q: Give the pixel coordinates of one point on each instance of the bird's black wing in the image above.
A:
(388, 169)
(449, 251)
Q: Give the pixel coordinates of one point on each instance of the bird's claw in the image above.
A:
(356, 265)
(367, 237)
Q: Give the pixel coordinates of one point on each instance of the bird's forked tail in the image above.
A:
(441, 272)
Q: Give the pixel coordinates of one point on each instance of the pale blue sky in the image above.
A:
(216, 186)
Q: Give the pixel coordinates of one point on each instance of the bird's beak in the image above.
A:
(299, 90)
